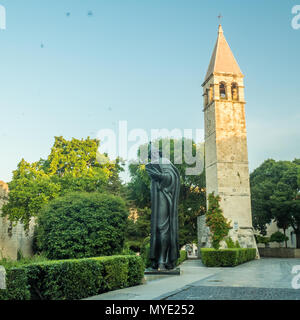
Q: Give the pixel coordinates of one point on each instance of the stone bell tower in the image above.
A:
(226, 156)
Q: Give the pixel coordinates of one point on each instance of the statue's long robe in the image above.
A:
(166, 190)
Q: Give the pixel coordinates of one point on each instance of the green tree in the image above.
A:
(138, 229)
(192, 199)
(71, 166)
(275, 195)
(81, 225)
(218, 225)
(278, 237)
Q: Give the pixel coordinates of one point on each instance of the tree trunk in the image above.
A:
(284, 231)
(298, 240)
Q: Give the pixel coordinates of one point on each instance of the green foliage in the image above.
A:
(136, 268)
(71, 166)
(183, 256)
(275, 195)
(192, 199)
(72, 279)
(217, 223)
(145, 252)
(126, 251)
(231, 244)
(237, 244)
(82, 225)
(278, 237)
(226, 257)
(139, 229)
(9, 263)
(261, 239)
(17, 287)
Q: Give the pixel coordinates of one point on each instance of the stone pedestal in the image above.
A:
(172, 272)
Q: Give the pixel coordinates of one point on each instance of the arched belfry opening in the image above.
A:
(234, 91)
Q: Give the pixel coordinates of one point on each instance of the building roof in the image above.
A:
(222, 59)
(4, 186)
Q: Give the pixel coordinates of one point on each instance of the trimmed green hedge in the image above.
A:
(72, 279)
(182, 258)
(17, 287)
(145, 252)
(226, 257)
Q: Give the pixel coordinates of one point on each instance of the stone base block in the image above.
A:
(172, 272)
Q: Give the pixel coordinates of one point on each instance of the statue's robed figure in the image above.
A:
(165, 186)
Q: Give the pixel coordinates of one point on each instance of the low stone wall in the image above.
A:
(279, 252)
(14, 241)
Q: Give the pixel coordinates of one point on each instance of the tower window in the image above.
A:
(222, 90)
(234, 92)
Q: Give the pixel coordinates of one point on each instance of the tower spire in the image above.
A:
(220, 29)
(222, 60)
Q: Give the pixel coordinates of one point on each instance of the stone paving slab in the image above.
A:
(263, 273)
(234, 293)
(269, 278)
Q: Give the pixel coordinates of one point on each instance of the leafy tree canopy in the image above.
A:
(275, 195)
(71, 166)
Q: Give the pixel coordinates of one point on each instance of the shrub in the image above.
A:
(133, 245)
(17, 287)
(226, 257)
(81, 225)
(278, 237)
(72, 279)
(126, 251)
(145, 252)
(261, 239)
(9, 263)
(136, 270)
(237, 244)
(231, 244)
(182, 258)
(217, 223)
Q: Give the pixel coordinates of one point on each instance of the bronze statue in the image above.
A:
(165, 186)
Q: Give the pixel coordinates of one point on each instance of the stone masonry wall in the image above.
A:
(226, 158)
(13, 239)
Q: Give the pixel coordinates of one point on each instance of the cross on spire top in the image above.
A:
(220, 17)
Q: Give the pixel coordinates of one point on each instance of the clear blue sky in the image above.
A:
(133, 56)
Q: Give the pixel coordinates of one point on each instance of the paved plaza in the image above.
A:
(264, 279)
